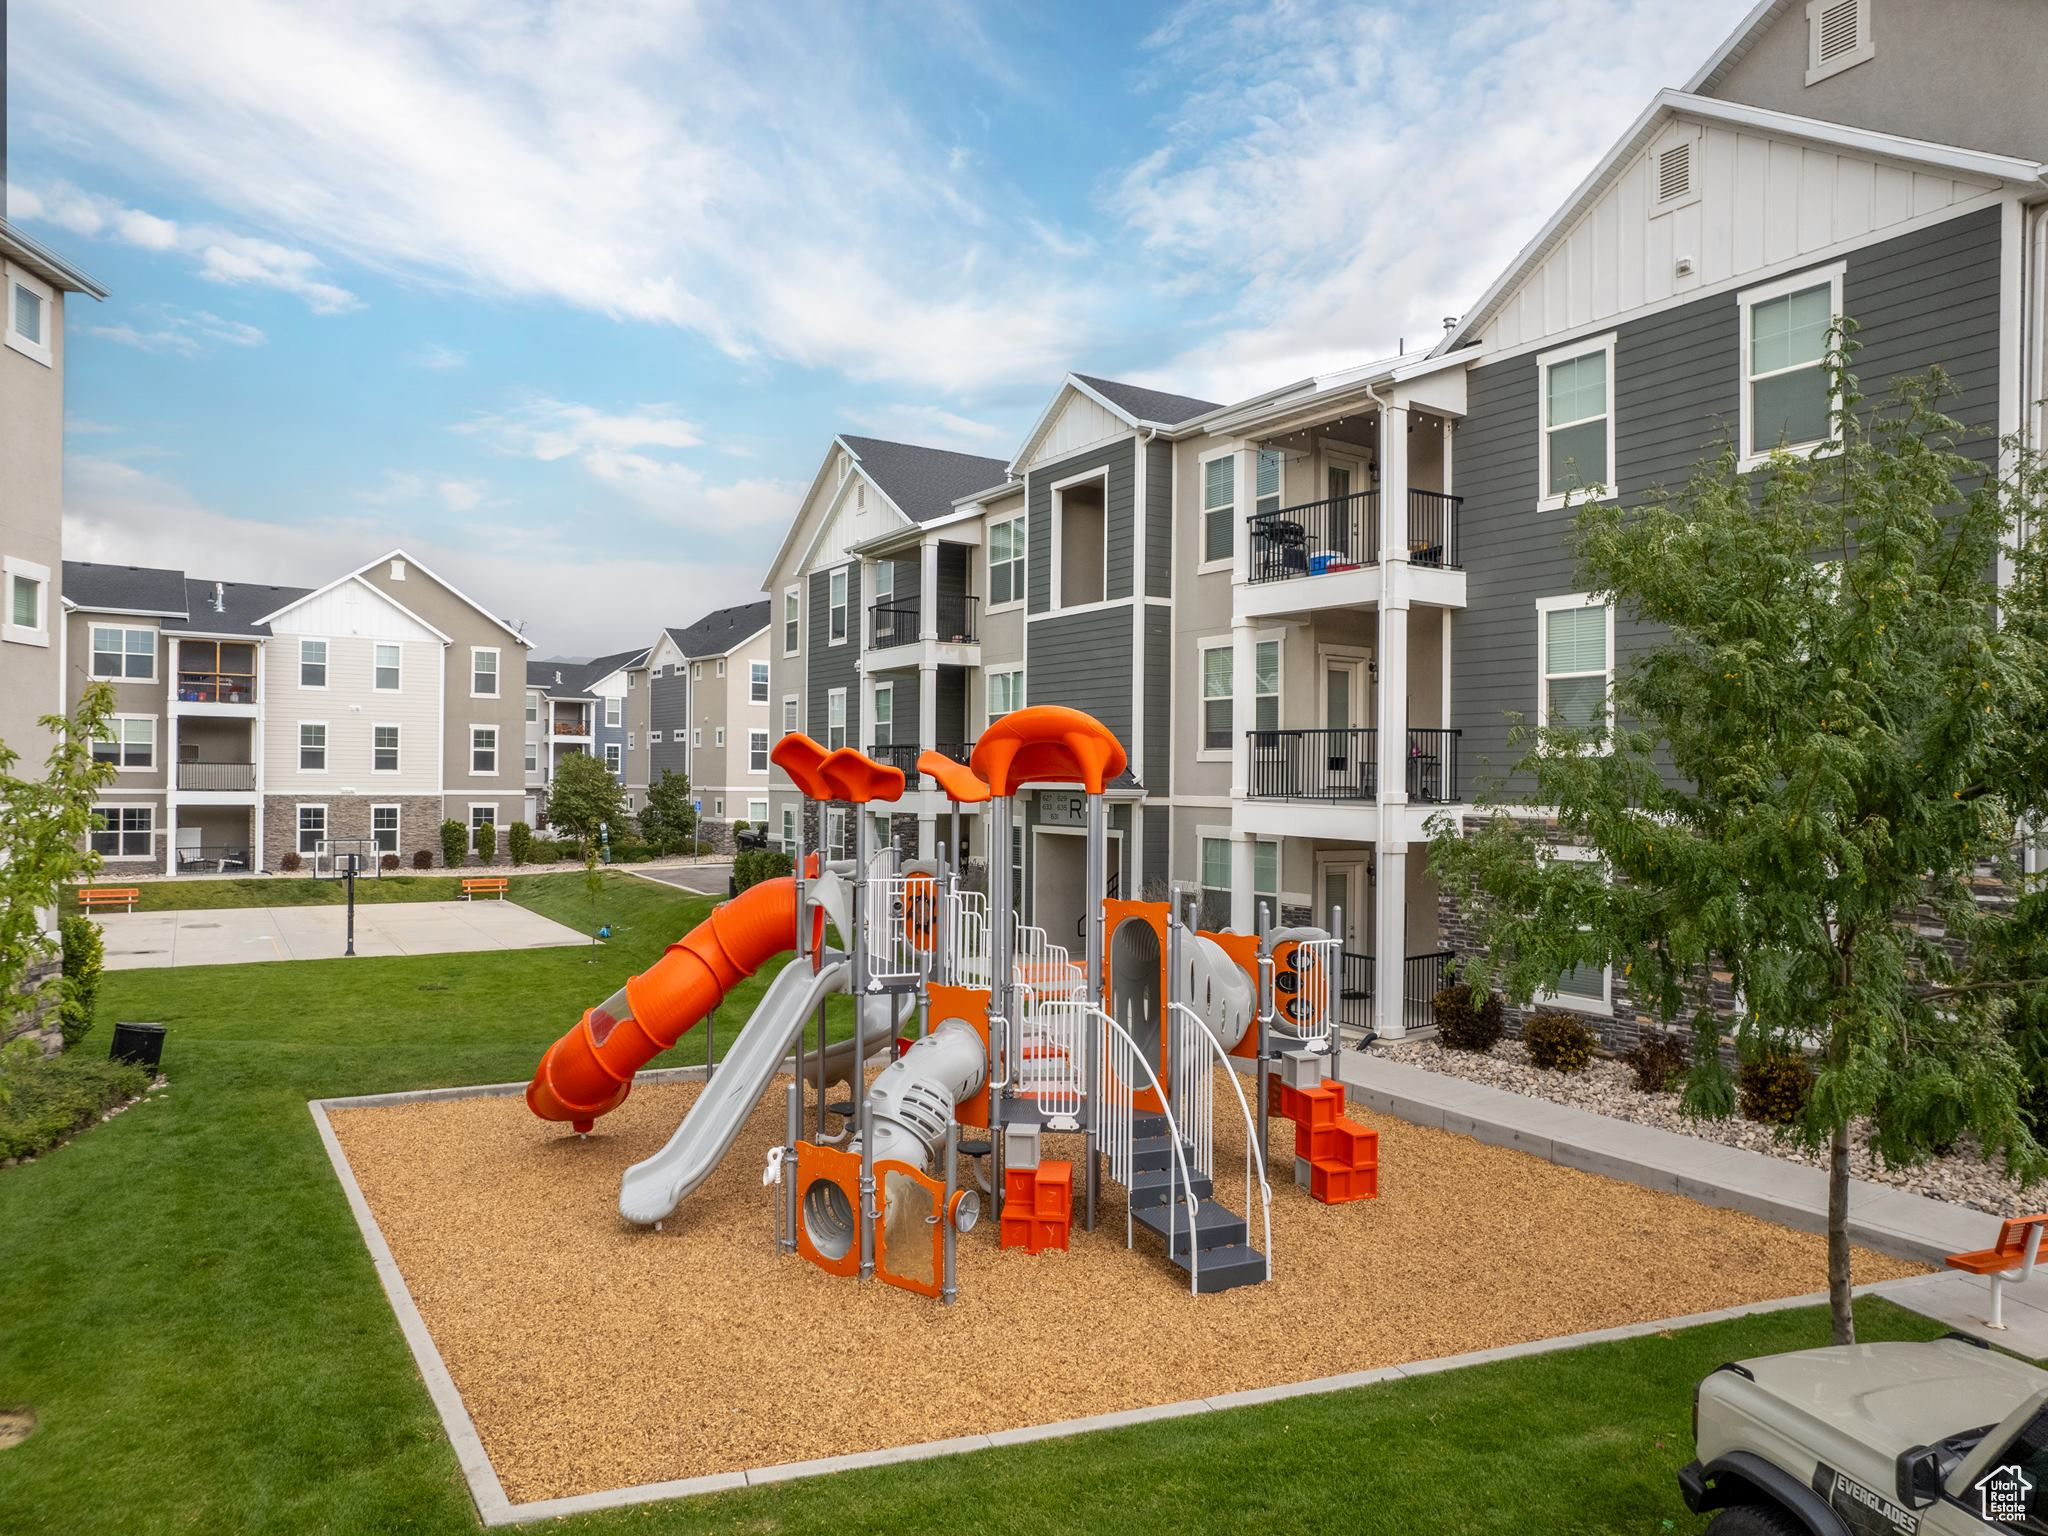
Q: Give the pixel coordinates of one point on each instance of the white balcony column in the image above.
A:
(1393, 486)
(1243, 873)
(171, 833)
(1245, 498)
(928, 594)
(1243, 669)
(1390, 940)
(927, 706)
(863, 739)
(1391, 718)
(927, 837)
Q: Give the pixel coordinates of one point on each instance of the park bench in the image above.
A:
(474, 886)
(2010, 1259)
(108, 895)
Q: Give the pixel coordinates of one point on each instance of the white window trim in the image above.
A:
(375, 686)
(721, 666)
(792, 714)
(397, 824)
(843, 575)
(1865, 49)
(21, 634)
(1573, 1002)
(1203, 752)
(1055, 574)
(1545, 501)
(1023, 562)
(118, 807)
(762, 737)
(386, 725)
(696, 735)
(326, 664)
(299, 826)
(793, 590)
(654, 738)
(718, 736)
(614, 712)
(763, 700)
(835, 696)
(481, 805)
(614, 757)
(38, 351)
(1202, 509)
(1545, 606)
(119, 741)
(497, 746)
(988, 713)
(326, 747)
(1747, 300)
(532, 707)
(757, 818)
(497, 671)
(92, 651)
(530, 761)
(875, 713)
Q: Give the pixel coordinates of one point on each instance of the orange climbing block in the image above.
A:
(1333, 1184)
(1033, 1233)
(1038, 1206)
(1055, 1196)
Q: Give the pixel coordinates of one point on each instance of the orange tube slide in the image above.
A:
(589, 1071)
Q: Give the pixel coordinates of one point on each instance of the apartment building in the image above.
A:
(1313, 615)
(255, 721)
(593, 707)
(709, 711)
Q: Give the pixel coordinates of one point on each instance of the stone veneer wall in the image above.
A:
(38, 1022)
(419, 824)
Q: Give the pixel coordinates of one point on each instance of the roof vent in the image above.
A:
(1837, 37)
(558, 677)
(220, 597)
(1674, 172)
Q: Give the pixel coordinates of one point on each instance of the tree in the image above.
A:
(45, 827)
(585, 797)
(1835, 733)
(669, 818)
(454, 844)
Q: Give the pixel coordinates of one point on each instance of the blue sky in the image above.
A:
(569, 298)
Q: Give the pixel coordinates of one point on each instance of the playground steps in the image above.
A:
(1341, 1159)
(1220, 1242)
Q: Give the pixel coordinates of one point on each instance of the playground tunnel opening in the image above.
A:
(828, 1219)
(1136, 975)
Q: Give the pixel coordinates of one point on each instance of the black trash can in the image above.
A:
(142, 1044)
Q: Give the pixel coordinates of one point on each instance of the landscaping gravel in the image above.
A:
(1964, 1177)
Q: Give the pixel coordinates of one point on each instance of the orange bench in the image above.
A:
(474, 886)
(2011, 1258)
(108, 895)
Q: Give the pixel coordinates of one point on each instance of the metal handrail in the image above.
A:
(1254, 1158)
(1314, 537)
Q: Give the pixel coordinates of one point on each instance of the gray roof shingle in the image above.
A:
(242, 603)
(925, 482)
(1149, 404)
(124, 588)
(717, 633)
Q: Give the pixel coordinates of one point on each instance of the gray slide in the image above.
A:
(651, 1190)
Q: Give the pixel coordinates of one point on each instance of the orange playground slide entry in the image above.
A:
(589, 1071)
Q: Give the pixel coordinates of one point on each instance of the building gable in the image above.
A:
(1075, 420)
(352, 608)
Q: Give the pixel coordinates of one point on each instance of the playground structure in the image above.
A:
(995, 1039)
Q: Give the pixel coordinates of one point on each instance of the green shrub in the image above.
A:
(1659, 1061)
(758, 864)
(84, 952)
(1772, 1087)
(487, 842)
(519, 842)
(45, 1099)
(1557, 1042)
(1463, 1026)
(290, 862)
(423, 858)
(454, 844)
(631, 850)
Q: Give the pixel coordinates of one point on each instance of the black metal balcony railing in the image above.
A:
(957, 614)
(1316, 538)
(1422, 977)
(1433, 529)
(213, 859)
(217, 776)
(1343, 765)
(904, 755)
(1343, 533)
(892, 624)
(216, 688)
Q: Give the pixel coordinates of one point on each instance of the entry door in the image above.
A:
(1345, 476)
(1346, 754)
(1344, 887)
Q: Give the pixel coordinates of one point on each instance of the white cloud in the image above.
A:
(935, 427)
(461, 495)
(738, 173)
(185, 332)
(221, 255)
(436, 358)
(587, 605)
(1331, 182)
(547, 429)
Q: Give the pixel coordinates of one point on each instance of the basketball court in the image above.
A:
(242, 935)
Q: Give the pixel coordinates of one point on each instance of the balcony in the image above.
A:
(216, 687)
(217, 778)
(1320, 538)
(1422, 977)
(904, 755)
(1342, 766)
(572, 727)
(893, 623)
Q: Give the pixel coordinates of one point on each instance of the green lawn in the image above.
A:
(186, 1305)
(192, 893)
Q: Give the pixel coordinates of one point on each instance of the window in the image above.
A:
(835, 719)
(483, 749)
(696, 735)
(614, 756)
(1005, 693)
(614, 712)
(757, 812)
(1577, 662)
(883, 574)
(1219, 506)
(718, 736)
(312, 663)
(1266, 481)
(123, 831)
(130, 743)
(533, 757)
(884, 734)
(654, 738)
(721, 666)
(718, 806)
(384, 749)
(1215, 880)
(384, 827)
(1588, 988)
(1080, 548)
(1837, 37)
(28, 607)
(697, 672)
(123, 653)
(792, 619)
(532, 708)
(790, 718)
(1006, 562)
(481, 816)
(757, 751)
(385, 663)
(839, 833)
(1577, 447)
(312, 828)
(29, 306)
(483, 672)
(312, 747)
(1266, 869)
(836, 607)
(789, 829)
(1787, 401)
(398, 570)
(1266, 685)
(757, 682)
(1216, 706)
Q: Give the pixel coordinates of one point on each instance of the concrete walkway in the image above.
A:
(242, 935)
(704, 879)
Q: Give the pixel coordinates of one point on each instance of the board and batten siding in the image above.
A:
(1119, 460)
(1927, 297)
(832, 666)
(1083, 660)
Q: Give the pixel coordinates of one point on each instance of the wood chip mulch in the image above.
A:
(596, 1355)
